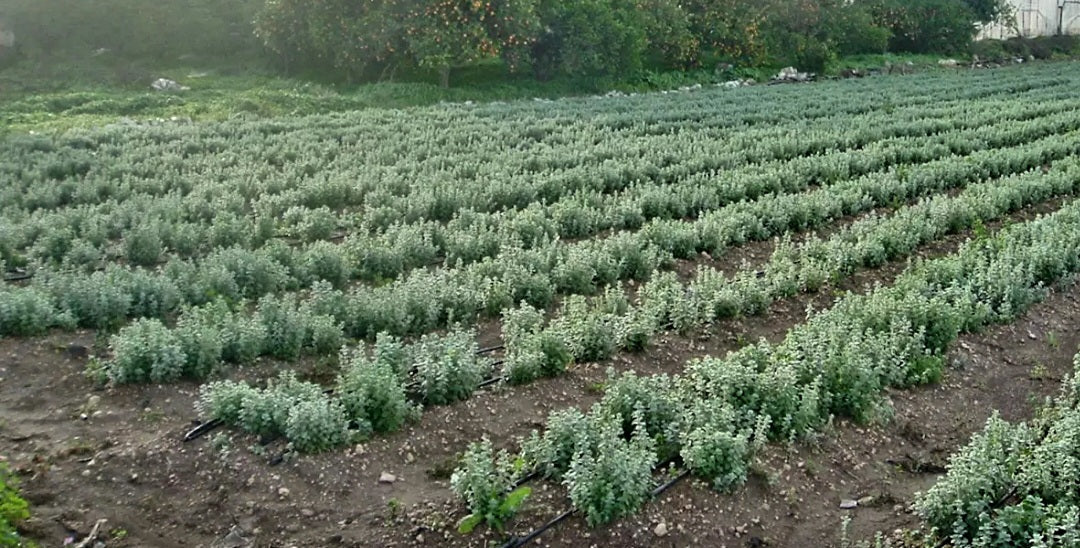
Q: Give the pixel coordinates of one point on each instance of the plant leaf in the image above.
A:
(514, 500)
(468, 523)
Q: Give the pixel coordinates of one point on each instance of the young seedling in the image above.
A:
(486, 482)
(1053, 340)
(1040, 372)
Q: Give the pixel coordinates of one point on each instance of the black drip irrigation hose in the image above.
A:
(18, 276)
(202, 429)
(526, 478)
(486, 382)
(670, 483)
(482, 351)
(517, 542)
(491, 381)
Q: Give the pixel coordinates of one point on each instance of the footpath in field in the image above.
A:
(360, 291)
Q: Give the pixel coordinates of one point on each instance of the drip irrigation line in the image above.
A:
(414, 370)
(670, 483)
(491, 381)
(18, 276)
(526, 478)
(202, 429)
(486, 382)
(518, 542)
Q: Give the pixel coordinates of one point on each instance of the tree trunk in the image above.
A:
(444, 77)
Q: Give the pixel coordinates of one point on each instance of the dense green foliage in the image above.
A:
(488, 487)
(601, 40)
(1014, 484)
(508, 260)
(122, 31)
(582, 37)
(838, 364)
(385, 237)
(610, 38)
(13, 510)
(946, 26)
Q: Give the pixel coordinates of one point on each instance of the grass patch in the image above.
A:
(13, 510)
(64, 96)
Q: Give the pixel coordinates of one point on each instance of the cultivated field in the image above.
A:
(764, 316)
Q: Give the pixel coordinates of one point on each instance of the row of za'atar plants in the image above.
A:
(719, 411)
(428, 300)
(445, 369)
(146, 229)
(272, 157)
(236, 273)
(132, 168)
(1013, 484)
(102, 222)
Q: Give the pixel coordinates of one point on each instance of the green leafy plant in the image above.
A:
(372, 393)
(146, 351)
(13, 510)
(447, 367)
(316, 425)
(486, 482)
(1053, 340)
(611, 477)
(551, 452)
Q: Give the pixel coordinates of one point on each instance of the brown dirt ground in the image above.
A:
(124, 462)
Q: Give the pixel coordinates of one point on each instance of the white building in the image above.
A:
(1038, 18)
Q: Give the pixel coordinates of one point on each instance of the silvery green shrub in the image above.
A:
(372, 393)
(447, 367)
(25, 311)
(317, 425)
(612, 477)
(146, 350)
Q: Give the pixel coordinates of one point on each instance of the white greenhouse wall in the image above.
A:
(1038, 18)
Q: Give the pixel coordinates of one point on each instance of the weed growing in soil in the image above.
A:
(13, 509)
(1039, 372)
(1053, 340)
(486, 483)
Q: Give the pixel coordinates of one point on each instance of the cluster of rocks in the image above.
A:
(616, 94)
(167, 85)
(683, 89)
(792, 75)
(977, 62)
(126, 122)
(732, 84)
(854, 73)
(899, 68)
